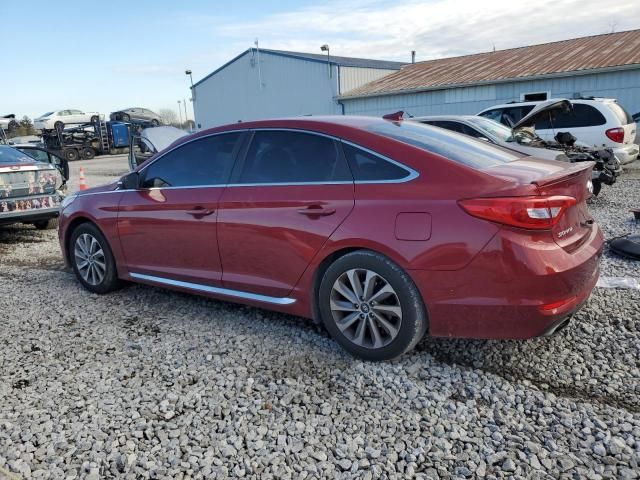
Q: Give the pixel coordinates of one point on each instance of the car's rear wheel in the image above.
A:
(71, 154)
(155, 122)
(94, 118)
(92, 259)
(125, 118)
(371, 306)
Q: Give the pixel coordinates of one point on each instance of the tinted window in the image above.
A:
(368, 167)
(512, 115)
(292, 157)
(622, 115)
(206, 161)
(581, 116)
(460, 149)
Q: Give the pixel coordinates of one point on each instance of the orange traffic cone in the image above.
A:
(83, 181)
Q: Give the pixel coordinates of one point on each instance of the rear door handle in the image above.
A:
(200, 212)
(316, 211)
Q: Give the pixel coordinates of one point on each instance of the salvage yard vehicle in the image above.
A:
(32, 185)
(380, 230)
(137, 115)
(523, 138)
(61, 118)
(595, 122)
(8, 122)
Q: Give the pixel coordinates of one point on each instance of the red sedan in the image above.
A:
(380, 230)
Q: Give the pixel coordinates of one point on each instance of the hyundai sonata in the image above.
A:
(380, 230)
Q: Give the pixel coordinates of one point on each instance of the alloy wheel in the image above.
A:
(90, 259)
(366, 308)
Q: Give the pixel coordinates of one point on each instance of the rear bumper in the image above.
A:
(28, 216)
(513, 289)
(627, 154)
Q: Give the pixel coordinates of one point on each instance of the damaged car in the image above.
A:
(151, 141)
(32, 186)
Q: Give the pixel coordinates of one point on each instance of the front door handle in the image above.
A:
(200, 212)
(316, 211)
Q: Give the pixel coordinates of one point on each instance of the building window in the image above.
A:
(534, 96)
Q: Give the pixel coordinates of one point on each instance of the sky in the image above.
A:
(105, 56)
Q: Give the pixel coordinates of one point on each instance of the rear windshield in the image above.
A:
(11, 156)
(454, 146)
(621, 113)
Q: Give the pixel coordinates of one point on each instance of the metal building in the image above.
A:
(600, 66)
(262, 83)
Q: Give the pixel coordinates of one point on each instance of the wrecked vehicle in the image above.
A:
(607, 167)
(8, 122)
(32, 186)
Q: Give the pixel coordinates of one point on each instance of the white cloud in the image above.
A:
(434, 29)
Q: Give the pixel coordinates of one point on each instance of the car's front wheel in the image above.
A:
(92, 259)
(371, 306)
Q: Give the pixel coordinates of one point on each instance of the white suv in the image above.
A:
(596, 122)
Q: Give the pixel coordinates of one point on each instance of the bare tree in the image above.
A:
(169, 116)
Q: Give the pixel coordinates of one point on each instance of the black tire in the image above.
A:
(58, 126)
(13, 126)
(597, 186)
(125, 117)
(110, 282)
(88, 153)
(155, 123)
(94, 119)
(71, 154)
(413, 323)
(46, 224)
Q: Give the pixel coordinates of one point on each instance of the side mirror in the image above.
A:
(131, 181)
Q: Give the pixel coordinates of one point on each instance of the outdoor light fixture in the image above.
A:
(193, 92)
(325, 48)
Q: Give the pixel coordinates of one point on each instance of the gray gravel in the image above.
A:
(147, 383)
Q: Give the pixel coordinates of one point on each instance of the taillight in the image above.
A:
(615, 134)
(534, 213)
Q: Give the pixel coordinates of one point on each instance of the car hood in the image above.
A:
(541, 111)
(162, 137)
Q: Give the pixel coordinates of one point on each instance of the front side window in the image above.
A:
(201, 162)
(458, 148)
(293, 157)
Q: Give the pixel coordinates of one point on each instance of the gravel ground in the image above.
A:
(147, 383)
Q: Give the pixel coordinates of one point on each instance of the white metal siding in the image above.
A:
(623, 86)
(354, 77)
(290, 87)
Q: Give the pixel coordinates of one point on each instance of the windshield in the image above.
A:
(458, 148)
(11, 156)
(45, 115)
(492, 127)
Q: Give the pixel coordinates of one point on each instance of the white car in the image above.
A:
(62, 118)
(8, 122)
(597, 122)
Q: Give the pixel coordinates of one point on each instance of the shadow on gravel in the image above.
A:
(537, 361)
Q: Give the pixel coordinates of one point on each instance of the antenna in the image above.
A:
(256, 43)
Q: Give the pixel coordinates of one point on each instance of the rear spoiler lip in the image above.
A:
(575, 169)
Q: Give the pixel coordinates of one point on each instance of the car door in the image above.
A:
(287, 196)
(167, 227)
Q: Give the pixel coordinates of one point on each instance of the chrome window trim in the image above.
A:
(215, 290)
(411, 173)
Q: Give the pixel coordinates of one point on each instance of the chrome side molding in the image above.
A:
(215, 290)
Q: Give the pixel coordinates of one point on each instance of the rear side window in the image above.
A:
(622, 115)
(582, 116)
(458, 148)
(293, 157)
(202, 162)
(369, 167)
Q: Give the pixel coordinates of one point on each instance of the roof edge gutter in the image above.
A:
(493, 82)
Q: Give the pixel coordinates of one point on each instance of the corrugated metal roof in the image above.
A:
(563, 57)
(313, 57)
